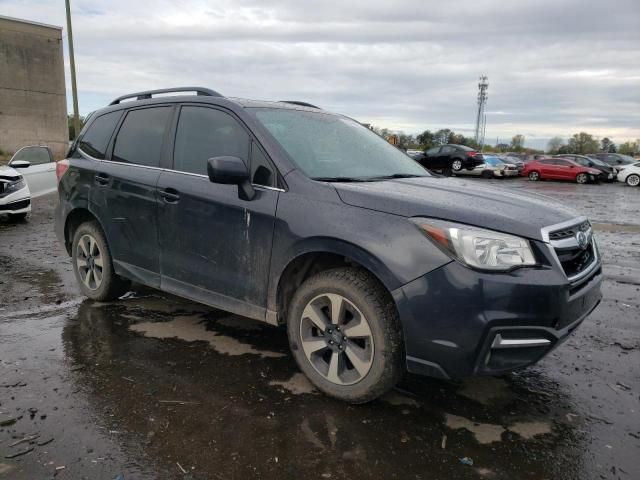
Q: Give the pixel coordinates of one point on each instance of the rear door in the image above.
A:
(124, 192)
(41, 174)
(216, 247)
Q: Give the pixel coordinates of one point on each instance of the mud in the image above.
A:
(152, 386)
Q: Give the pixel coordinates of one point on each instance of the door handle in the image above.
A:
(102, 179)
(170, 195)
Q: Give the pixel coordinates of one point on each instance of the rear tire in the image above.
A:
(344, 314)
(534, 176)
(633, 180)
(93, 266)
(456, 165)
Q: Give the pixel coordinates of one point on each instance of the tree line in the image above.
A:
(579, 143)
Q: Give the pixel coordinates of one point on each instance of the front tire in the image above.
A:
(582, 178)
(633, 180)
(534, 176)
(93, 266)
(345, 334)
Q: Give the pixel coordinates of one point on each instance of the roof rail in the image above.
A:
(200, 91)
(302, 104)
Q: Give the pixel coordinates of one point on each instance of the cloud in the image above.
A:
(555, 67)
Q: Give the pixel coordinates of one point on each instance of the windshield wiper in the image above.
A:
(339, 179)
(397, 175)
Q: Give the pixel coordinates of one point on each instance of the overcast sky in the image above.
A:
(555, 67)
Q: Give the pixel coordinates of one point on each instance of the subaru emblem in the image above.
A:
(582, 240)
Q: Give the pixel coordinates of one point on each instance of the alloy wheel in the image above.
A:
(633, 180)
(534, 176)
(336, 339)
(581, 178)
(89, 262)
(457, 165)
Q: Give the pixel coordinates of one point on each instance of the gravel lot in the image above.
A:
(155, 387)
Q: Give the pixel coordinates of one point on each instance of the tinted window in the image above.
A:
(139, 140)
(204, 133)
(33, 155)
(447, 149)
(433, 151)
(261, 170)
(546, 162)
(562, 163)
(95, 140)
(464, 148)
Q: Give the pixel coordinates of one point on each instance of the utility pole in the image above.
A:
(72, 61)
(483, 86)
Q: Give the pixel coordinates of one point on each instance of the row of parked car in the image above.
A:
(598, 167)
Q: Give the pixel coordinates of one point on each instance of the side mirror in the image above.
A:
(19, 164)
(231, 171)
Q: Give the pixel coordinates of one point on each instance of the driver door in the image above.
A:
(216, 247)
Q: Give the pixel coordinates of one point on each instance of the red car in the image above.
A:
(559, 169)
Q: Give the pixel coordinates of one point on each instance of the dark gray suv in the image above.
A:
(286, 213)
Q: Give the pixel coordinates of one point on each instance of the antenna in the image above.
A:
(481, 118)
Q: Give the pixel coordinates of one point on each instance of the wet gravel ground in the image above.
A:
(155, 387)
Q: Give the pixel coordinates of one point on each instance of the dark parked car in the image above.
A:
(295, 216)
(607, 172)
(613, 159)
(450, 158)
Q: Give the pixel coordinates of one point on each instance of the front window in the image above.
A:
(334, 148)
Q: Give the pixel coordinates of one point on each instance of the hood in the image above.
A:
(8, 173)
(508, 211)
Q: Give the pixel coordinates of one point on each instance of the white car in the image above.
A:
(15, 197)
(493, 167)
(31, 173)
(630, 174)
(38, 168)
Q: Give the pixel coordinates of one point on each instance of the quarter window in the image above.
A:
(140, 137)
(261, 170)
(95, 140)
(204, 133)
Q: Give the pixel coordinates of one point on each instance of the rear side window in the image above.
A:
(140, 137)
(204, 133)
(433, 151)
(95, 140)
(33, 155)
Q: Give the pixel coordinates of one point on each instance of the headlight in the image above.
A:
(15, 185)
(476, 247)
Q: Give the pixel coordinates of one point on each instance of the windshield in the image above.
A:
(334, 148)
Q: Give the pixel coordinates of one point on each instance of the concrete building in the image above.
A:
(33, 105)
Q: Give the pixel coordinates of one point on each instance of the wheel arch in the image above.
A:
(316, 256)
(74, 219)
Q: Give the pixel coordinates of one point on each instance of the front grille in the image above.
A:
(15, 205)
(575, 260)
(569, 232)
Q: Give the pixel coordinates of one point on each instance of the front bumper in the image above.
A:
(13, 205)
(459, 322)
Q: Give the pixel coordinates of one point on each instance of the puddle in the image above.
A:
(486, 390)
(485, 433)
(399, 400)
(528, 430)
(298, 384)
(192, 329)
